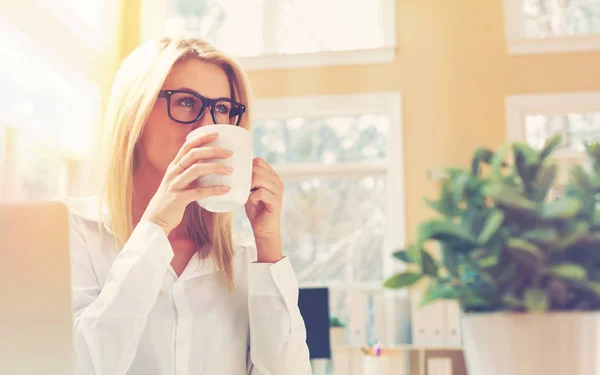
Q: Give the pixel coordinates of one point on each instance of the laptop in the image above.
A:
(35, 297)
(313, 304)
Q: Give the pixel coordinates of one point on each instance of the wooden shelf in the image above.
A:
(407, 347)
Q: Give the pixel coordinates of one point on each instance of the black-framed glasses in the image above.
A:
(187, 107)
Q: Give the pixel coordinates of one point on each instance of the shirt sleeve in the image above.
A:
(109, 321)
(277, 331)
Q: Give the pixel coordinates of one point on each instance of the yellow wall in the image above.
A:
(454, 73)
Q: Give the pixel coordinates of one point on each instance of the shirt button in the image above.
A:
(181, 372)
(183, 325)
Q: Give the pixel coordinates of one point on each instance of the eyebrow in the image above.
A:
(197, 93)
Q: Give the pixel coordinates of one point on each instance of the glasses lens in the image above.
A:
(185, 107)
(227, 112)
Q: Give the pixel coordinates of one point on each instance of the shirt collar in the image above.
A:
(91, 208)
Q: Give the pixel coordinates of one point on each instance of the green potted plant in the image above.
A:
(525, 268)
(337, 331)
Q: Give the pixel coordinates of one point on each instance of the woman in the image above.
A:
(159, 285)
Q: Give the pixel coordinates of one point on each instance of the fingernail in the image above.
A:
(228, 169)
(213, 134)
(228, 151)
(225, 188)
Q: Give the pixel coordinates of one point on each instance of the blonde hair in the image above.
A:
(134, 93)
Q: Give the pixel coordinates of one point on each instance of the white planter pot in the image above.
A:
(337, 336)
(376, 365)
(531, 344)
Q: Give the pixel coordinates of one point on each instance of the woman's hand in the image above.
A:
(177, 190)
(264, 211)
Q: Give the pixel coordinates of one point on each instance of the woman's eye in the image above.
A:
(186, 102)
(222, 108)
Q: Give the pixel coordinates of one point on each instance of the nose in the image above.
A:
(206, 119)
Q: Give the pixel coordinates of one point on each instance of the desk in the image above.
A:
(405, 359)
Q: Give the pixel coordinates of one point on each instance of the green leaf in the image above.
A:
(541, 236)
(415, 254)
(579, 232)
(450, 260)
(438, 291)
(536, 300)
(459, 184)
(525, 159)
(509, 196)
(524, 247)
(545, 181)
(569, 271)
(489, 261)
(497, 161)
(472, 300)
(529, 155)
(582, 179)
(402, 280)
(511, 301)
(562, 208)
(593, 286)
(593, 151)
(482, 155)
(595, 181)
(445, 205)
(429, 265)
(403, 256)
(491, 225)
(551, 144)
(443, 231)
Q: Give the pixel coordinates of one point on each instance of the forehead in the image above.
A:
(207, 79)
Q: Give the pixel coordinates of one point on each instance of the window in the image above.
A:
(341, 161)
(534, 118)
(576, 128)
(545, 18)
(281, 33)
(86, 19)
(537, 26)
(48, 115)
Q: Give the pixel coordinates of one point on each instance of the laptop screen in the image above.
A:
(314, 308)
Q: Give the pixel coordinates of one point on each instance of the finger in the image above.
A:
(175, 168)
(262, 163)
(263, 179)
(205, 192)
(193, 143)
(266, 197)
(197, 170)
(203, 153)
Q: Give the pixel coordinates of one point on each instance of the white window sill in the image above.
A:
(356, 57)
(554, 45)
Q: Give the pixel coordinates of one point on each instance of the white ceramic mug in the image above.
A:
(238, 140)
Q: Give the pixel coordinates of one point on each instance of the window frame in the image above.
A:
(518, 43)
(154, 12)
(389, 103)
(69, 162)
(518, 107)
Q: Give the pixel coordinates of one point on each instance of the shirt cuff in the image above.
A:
(149, 240)
(277, 279)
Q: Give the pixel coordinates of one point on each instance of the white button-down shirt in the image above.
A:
(133, 315)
